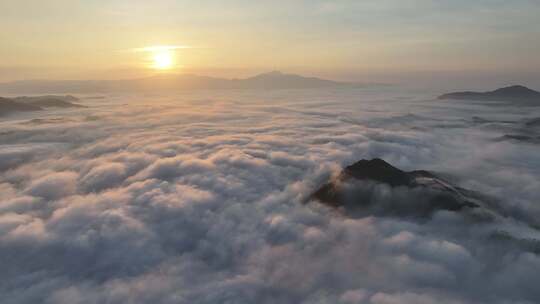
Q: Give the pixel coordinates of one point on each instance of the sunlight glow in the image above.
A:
(163, 59)
(161, 48)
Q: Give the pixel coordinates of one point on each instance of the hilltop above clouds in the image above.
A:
(36, 103)
(516, 94)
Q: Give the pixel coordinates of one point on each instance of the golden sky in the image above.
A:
(107, 38)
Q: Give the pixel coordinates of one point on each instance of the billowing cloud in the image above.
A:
(203, 198)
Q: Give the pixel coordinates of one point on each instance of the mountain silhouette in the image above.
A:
(30, 99)
(50, 101)
(278, 79)
(272, 80)
(513, 93)
(415, 194)
(8, 106)
(35, 103)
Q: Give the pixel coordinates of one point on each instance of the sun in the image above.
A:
(163, 59)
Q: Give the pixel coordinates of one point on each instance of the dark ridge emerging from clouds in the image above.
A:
(9, 106)
(418, 193)
(515, 93)
(36, 103)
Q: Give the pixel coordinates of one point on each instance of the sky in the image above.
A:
(387, 39)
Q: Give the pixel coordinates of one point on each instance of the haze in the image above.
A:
(369, 41)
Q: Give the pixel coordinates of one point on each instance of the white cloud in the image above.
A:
(54, 185)
(176, 200)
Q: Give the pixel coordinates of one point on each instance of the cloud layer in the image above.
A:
(200, 198)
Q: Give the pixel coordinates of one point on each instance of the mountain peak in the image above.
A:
(516, 89)
(377, 170)
(351, 194)
(277, 79)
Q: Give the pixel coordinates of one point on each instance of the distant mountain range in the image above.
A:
(272, 80)
(513, 93)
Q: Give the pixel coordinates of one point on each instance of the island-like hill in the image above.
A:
(272, 80)
(30, 99)
(416, 194)
(509, 94)
(50, 101)
(8, 106)
(376, 188)
(36, 103)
